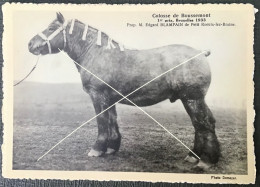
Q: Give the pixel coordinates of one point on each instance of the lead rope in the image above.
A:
(29, 72)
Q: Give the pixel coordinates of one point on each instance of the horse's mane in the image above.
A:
(96, 30)
(107, 35)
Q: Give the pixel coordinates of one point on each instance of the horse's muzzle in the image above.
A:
(33, 48)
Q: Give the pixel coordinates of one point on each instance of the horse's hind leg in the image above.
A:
(206, 145)
(114, 137)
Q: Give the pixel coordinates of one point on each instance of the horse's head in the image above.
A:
(51, 39)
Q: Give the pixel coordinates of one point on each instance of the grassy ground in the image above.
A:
(45, 113)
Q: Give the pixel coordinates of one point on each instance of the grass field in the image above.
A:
(45, 113)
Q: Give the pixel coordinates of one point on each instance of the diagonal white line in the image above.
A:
(125, 97)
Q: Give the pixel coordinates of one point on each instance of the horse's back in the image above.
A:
(166, 56)
(195, 71)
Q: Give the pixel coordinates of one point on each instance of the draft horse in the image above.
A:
(126, 70)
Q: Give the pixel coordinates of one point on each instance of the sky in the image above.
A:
(228, 45)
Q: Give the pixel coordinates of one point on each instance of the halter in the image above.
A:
(55, 33)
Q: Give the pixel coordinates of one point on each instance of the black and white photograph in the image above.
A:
(129, 92)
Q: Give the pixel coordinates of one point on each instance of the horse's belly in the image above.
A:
(142, 101)
(150, 95)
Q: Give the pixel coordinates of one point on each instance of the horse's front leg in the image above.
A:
(114, 139)
(100, 102)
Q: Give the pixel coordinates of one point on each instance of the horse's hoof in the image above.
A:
(95, 153)
(202, 166)
(191, 159)
(110, 151)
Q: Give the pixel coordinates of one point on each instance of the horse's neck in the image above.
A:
(77, 48)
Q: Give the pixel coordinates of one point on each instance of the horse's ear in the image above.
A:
(60, 17)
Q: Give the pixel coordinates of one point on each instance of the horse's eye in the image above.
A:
(51, 29)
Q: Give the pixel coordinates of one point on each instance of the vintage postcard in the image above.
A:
(160, 93)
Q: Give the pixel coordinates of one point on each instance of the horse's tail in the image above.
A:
(207, 53)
